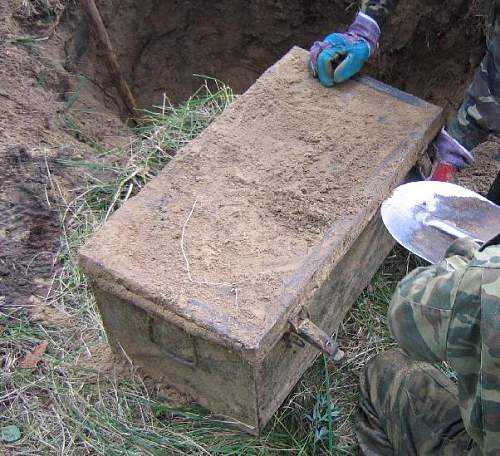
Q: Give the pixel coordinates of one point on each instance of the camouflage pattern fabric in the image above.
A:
(479, 114)
(446, 312)
(409, 408)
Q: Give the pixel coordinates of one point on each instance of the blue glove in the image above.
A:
(341, 55)
(342, 60)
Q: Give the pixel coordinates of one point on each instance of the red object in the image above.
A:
(444, 172)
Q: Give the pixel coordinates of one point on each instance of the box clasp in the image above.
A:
(315, 336)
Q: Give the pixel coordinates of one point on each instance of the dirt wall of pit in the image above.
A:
(429, 48)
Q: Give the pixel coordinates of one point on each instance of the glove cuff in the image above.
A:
(366, 28)
(444, 172)
(449, 150)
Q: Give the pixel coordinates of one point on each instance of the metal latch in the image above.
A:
(315, 336)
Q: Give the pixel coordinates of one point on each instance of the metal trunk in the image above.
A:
(206, 278)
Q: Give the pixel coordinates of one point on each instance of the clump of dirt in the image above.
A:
(480, 176)
(48, 315)
(115, 367)
(30, 228)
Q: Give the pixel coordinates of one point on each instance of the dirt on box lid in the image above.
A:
(217, 237)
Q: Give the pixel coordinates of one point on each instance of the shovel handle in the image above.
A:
(451, 230)
(494, 192)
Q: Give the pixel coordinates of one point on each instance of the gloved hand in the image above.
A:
(341, 55)
(464, 247)
(452, 157)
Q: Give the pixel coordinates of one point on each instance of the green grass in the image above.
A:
(29, 42)
(71, 405)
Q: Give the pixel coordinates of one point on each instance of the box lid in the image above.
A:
(237, 230)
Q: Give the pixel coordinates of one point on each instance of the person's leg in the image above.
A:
(408, 408)
(479, 114)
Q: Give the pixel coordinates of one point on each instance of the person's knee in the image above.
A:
(384, 375)
(391, 376)
(386, 366)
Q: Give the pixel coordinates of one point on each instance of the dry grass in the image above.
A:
(73, 405)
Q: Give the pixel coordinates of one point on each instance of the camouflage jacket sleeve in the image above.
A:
(379, 10)
(451, 311)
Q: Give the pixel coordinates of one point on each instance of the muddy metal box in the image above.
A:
(262, 230)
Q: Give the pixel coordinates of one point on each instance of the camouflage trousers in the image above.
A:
(409, 408)
(479, 114)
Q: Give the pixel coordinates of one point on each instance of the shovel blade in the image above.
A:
(427, 217)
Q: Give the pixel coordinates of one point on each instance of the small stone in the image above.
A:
(10, 434)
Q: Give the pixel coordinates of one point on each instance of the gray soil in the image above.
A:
(247, 202)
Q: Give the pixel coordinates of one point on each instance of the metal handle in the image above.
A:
(173, 343)
(315, 336)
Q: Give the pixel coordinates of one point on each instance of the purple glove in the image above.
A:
(366, 28)
(450, 151)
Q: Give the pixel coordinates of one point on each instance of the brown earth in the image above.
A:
(36, 131)
(486, 167)
(29, 228)
(58, 80)
(430, 48)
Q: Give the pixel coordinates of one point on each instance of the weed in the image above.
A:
(324, 413)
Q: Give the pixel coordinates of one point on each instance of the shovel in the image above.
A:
(427, 217)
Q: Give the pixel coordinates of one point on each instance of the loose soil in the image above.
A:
(269, 178)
